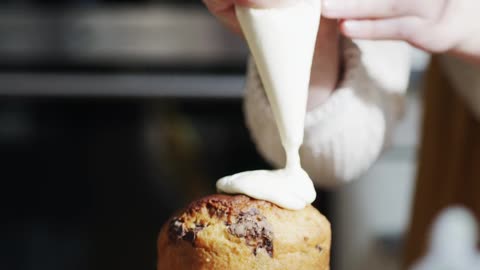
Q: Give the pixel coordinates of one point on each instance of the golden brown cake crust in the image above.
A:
(238, 232)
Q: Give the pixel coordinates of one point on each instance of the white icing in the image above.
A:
(282, 42)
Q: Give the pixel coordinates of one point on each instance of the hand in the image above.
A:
(326, 61)
(436, 26)
(224, 10)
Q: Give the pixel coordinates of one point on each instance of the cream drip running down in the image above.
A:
(282, 42)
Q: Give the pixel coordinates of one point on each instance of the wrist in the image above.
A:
(326, 64)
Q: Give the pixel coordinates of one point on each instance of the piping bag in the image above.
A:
(282, 42)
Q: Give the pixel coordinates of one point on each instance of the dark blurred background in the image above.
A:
(113, 114)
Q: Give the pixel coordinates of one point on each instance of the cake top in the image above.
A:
(242, 216)
(239, 232)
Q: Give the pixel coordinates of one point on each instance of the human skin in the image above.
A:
(436, 26)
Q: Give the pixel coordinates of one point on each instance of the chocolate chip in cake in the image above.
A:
(177, 231)
(190, 236)
(319, 248)
(255, 229)
(217, 209)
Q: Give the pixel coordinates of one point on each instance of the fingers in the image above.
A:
(229, 19)
(224, 10)
(265, 3)
(216, 6)
(403, 28)
(414, 30)
(368, 9)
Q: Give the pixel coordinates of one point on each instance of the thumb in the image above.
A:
(224, 10)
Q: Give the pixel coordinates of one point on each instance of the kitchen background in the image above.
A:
(115, 113)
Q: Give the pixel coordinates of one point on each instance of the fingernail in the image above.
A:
(332, 7)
